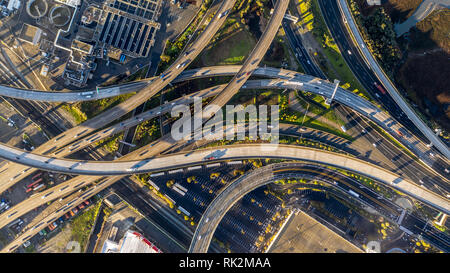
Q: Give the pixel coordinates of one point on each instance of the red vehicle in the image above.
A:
(36, 176)
(86, 202)
(380, 88)
(29, 189)
(399, 133)
(67, 215)
(81, 206)
(210, 158)
(34, 183)
(51, 227)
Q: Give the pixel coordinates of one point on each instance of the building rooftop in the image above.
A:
(30, 34)
(13, 4)
(373, 2)
(304, 234)
(72, 3)
(132, 242)
(112, 200)
(82, 46)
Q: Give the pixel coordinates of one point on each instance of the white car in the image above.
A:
(223, 14)
(349, 52)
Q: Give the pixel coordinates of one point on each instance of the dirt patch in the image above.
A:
(231, 49)
(424, 74)
(58, 243)
(436, 28)
(426, 78)
(275, 52)
(400, 10)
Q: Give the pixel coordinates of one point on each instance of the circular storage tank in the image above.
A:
(59, 15)
(37, 8)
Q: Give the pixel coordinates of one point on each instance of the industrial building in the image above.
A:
(30, 34)
(132, 242)
(112, 30)
(129, 26)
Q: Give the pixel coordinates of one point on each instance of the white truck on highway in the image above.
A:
(353, 193)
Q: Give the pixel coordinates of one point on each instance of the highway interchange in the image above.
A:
(296, 81)
(133, 164)
(266, 175)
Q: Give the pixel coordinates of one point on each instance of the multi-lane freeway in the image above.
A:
(151, 89)
(320, 87)
(376, 69)
(156, 85)
(181, 160)
(48, 156)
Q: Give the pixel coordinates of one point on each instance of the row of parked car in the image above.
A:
(52, 226)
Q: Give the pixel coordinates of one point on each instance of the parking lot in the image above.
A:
(244, 224)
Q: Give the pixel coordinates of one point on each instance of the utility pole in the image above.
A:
(128, 144)
(301, 126)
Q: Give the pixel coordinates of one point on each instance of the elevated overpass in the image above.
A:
(295, 80)
(233, 152)
(125, 107)
(17, 172)
(79, 182)
(233, 87)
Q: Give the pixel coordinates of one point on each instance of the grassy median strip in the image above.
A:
(75, 112)
(83, 223)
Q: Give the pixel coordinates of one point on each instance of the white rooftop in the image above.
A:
(72, 3)
(373, 2)
(13, 4)
(132, 242)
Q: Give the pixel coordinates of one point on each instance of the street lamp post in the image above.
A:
(301, 126)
